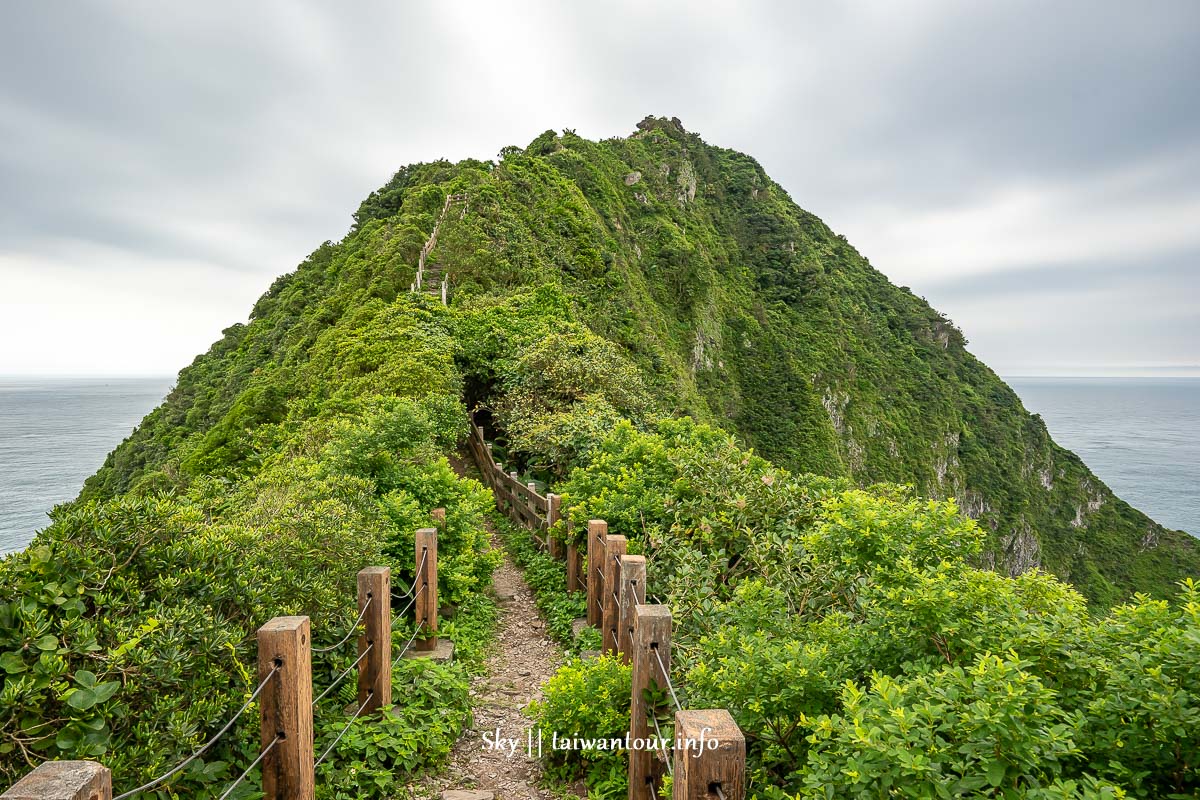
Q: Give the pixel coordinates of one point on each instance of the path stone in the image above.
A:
(467, 794)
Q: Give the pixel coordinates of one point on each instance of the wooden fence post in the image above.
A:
(710, 754)
(64, 780)
(553, 515)
(596, 536)
(631, 591)
(574, 562)
(285, 645)
(652, 642)
(375, 671)
(614, 548)
(531, 488)
(425, 588)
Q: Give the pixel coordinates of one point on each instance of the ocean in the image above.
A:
(1141, 436)
(54, 433)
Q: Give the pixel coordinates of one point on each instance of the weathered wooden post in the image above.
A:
(426, 589)
(375, 670)
(64, 780)
(614, 548)
(531, 489)
(652, 643)
(596, 536)
(630, 591)
(285, 645)
(574, 561)
(711, 756)
(553, 515)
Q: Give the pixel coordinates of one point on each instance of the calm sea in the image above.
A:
(1140, 435)
(54, 433)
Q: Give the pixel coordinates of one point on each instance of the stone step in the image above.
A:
(468, 794)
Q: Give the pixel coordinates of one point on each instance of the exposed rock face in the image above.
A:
(687, 184)
(1022, 552)
(1092, 504)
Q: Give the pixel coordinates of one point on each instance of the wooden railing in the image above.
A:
(707, 756)
(430, 243)
(285, 691)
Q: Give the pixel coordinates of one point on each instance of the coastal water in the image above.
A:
(54, 433)
(1141, 436)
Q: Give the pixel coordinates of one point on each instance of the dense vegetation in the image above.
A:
(614, 306)
(863, 651)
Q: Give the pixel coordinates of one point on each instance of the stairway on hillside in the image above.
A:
(433, 278)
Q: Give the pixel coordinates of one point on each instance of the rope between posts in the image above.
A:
(407, 645)
(253, 764)
(403, 611)
(667, 675)
(342, 677)
(349, 633)
(207, 744)
(329, 749)
(716, 787)
(661, 747)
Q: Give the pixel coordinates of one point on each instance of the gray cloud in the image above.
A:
(996, 157)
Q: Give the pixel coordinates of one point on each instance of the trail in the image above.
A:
(523, 658)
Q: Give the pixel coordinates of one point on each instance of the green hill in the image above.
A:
(735, 305)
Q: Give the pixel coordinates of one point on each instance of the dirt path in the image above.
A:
(523, 658)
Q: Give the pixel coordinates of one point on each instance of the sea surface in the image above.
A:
(54, 433)
(1141, 436)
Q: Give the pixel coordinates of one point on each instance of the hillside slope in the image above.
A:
(736, 306)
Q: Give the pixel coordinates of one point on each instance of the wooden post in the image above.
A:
(574, 568)
(514, 498)
(531, 487)
(426, 584)
(375, 671)
(285, 644)
(614, 548)
(553, 515)
(711, 753)
(631, 591)
(597, 534)
(64, 780)
(652, 642)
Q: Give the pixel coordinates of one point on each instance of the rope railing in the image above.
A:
(666, 673)
(204, 747)
(660, 747)
(285, 659)
(342, 677)
(351, 632)
(342, 733)
(250, 768)
(407, 645)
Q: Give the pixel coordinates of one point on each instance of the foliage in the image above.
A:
(377, 754)
(587, 699)
(863, 653)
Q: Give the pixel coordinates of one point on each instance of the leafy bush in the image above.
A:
(587, 699)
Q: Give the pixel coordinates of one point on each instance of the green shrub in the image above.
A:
(586, 699)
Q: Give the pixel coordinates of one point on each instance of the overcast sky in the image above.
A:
(1032, 169)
